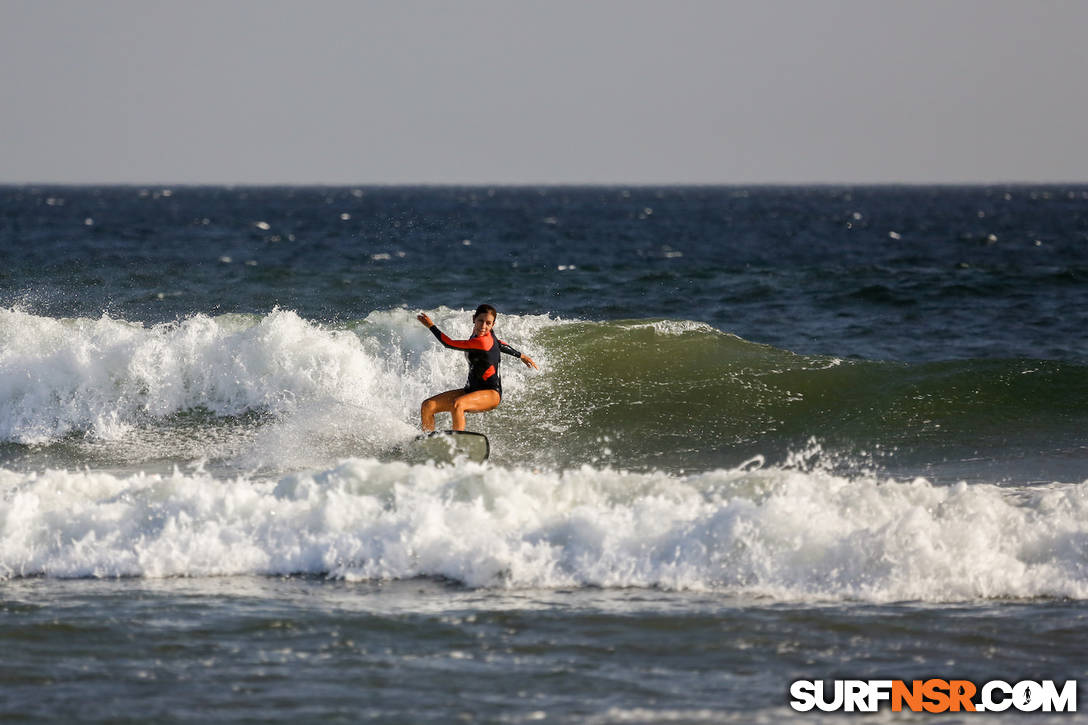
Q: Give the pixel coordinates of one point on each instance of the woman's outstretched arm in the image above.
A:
(503, 347)
(474, 343)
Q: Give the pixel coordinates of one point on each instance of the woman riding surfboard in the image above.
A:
(483, 391)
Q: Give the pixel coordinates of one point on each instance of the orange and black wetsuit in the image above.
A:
(483, 358)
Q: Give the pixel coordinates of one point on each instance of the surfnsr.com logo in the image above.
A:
(933, 695)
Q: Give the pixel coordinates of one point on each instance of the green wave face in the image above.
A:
(651, 394)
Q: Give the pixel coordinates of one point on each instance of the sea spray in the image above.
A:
(104, 376)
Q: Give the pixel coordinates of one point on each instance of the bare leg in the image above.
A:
(475, 402)
(456, 403)
(441, 403)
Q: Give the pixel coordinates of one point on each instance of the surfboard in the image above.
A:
(446, 446)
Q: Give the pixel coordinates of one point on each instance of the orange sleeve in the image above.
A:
(473, 343)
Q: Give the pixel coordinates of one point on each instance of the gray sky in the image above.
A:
(555, 91)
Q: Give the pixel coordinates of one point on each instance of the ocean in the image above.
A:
(777, 434)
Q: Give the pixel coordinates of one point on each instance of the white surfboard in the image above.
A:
(447, 446)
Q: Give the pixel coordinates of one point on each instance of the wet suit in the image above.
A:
(483, 359)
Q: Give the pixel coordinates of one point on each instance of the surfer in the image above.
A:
(483, 391)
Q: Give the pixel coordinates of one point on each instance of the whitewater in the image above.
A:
(788, 535)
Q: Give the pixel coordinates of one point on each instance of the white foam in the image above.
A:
(673, 328)
(104, 376)
(782, 534)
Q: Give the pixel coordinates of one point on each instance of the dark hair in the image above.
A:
(485, 308)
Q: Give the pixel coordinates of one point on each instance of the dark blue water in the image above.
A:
(880, 273)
